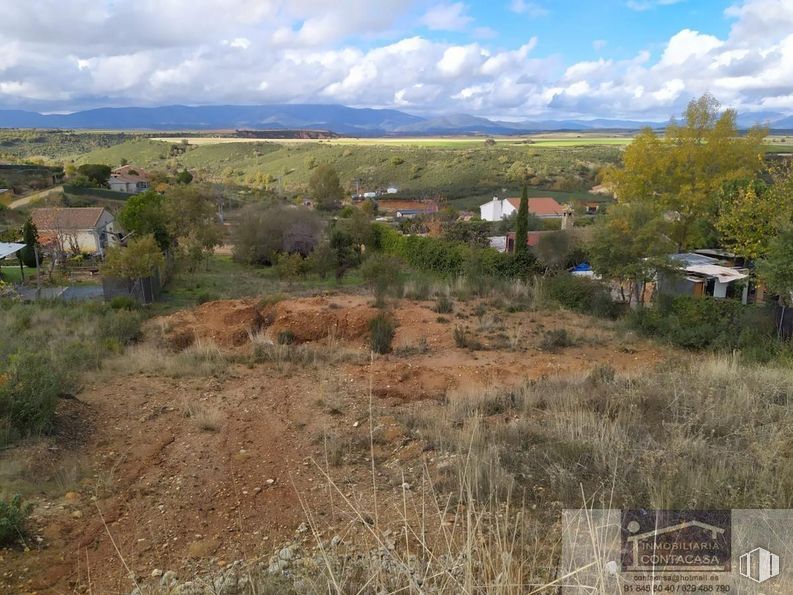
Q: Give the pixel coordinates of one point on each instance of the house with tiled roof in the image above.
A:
(543, 207)
(129, 179)
(76, 230)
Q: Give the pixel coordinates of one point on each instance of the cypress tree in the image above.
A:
(30, 237)
(522, 224)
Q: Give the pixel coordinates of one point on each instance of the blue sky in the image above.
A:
(509, 59)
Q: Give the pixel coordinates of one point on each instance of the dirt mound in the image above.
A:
(315, 319)
(225, 323)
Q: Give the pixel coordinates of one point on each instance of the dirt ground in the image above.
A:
(186, 473)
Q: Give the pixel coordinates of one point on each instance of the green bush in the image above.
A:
(120, 325)
(709, 323)
(444, 305)
(555, 340)
(381, 332)
(204, 297)
(450, 258)
(286, 338)
(13, 520)
(29, 394)
(382, 274)
(124, 302)
(582, 294)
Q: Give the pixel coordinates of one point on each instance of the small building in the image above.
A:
(129, 179)
(76, 230)
(543, 207)
(701, 275)
(392, 190)
(591, 208)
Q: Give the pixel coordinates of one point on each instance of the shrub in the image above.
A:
(582, 294)
(204, 297)
(29, 393)
(444, 305)
(381, 273)
(555, 340)
(13, 520)
(382, 330)
(286, 338)
(120, 325)
(708, 323)
(124, 302)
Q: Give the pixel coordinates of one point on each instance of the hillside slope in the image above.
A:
(455, 171)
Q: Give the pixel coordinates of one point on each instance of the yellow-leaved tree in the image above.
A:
(681, 173)
(751, 215)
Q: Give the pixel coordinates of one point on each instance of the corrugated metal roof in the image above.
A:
(7, 249)
(723, 274)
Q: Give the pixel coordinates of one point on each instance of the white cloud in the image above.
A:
(642, 5)
(65, 55)
(447, 17)
(528, 8)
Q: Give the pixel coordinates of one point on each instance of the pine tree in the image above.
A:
(522, 224)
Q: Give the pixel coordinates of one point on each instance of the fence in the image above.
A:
(144, 290)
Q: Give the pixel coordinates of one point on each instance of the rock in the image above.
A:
(168, 579)
(270, 482)
(156, 573)
(286, 554)
(336, 541)
(302, 528)
(71, 497)
(77, 514)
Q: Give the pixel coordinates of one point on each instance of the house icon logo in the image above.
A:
(674, 541)
(759, 565)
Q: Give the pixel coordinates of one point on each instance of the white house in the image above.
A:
(76, 230)
(543, 207)
(392, 190)
(128, 179)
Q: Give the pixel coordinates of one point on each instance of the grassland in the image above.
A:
(458, 171)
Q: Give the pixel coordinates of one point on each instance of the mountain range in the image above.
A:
(335, 118)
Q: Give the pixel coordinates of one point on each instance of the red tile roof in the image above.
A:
(541, 206)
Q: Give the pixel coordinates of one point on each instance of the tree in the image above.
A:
(682, 172)
(30, 237)
(554, 249)
(144, 214)
(266, 231)
(97, 173)
(776, 269)
(631, 244)
(139, 259)
(322, 260)
(193, 221)
(325, 188)
(752, 213)
(473, 233)
(522, 224)
(184, 177)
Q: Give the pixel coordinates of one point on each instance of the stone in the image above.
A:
(168, 578)
(77, 514)
(336, 541)
(156, 573)
(286, 554)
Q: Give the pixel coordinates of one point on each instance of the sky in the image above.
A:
(504, 59)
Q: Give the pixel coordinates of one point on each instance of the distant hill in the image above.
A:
(336, 119)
